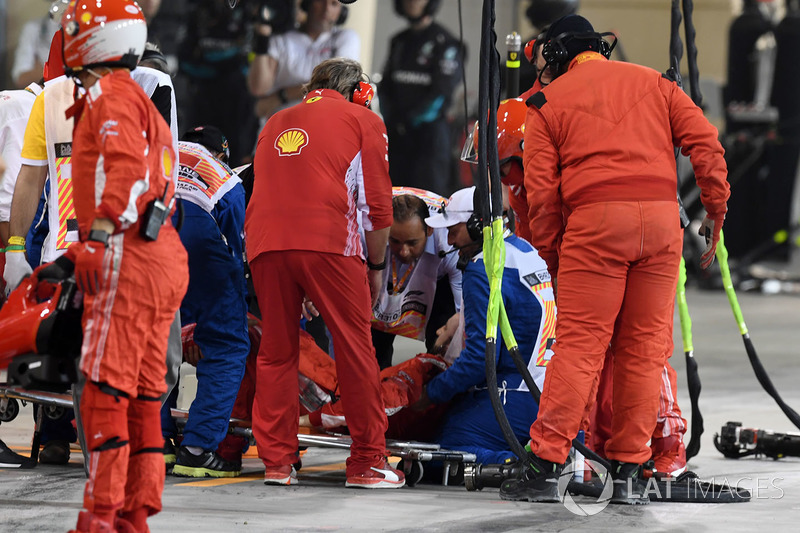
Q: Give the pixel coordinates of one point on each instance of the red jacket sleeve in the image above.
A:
(124, 149)
(376, 202)
(698, 139)
(542, 181)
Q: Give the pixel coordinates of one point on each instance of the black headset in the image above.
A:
(556, 55)
(475, 221)
(305, 5)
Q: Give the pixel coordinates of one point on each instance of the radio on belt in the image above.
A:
(154, 216)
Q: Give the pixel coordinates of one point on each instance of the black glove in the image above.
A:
(58, 270)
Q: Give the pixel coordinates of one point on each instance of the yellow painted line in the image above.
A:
(216, 482)
(20, 448)
(324, 468)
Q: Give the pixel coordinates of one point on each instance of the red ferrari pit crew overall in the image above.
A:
(123, 160)
(601, 183)
(317, 165)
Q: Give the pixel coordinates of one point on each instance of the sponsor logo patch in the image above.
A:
(291, 142)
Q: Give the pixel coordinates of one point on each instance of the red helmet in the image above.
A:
(510, 136)
(510, 133)
(108, 33)
(511, 129)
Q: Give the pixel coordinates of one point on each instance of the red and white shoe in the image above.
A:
(377, 477)
(669, 455)
(280, 475)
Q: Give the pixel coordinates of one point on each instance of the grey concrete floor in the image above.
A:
(48, 498)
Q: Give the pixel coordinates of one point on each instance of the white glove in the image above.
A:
(17, 268)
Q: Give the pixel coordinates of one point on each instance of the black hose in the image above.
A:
(675, 43)
(676, 53)
(494, 396)
(463, 69)
(691, 53)
(487, 118)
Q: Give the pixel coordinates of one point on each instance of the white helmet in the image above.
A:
(109, 33)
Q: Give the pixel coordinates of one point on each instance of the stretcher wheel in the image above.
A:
(53, 412)
(413, 471)
(9, 409)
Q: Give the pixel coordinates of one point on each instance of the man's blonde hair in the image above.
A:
(339, 73)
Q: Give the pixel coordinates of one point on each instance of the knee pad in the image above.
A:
(103, 412)
(144, 425)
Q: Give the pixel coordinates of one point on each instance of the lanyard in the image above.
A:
(397, 288)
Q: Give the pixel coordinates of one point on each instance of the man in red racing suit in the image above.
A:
(132, 282)
(601, 184)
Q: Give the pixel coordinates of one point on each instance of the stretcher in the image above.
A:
(413, 454)
(41, 371)
(53, 405)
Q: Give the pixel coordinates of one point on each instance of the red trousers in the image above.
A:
(338, 287)
(125, 331)
(618, 265)
(670, 421)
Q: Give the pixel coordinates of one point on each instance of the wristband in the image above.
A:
(379, 266)
(13, 248)
(100, 236)
(282, 96)
(18, 241)
(261, 44)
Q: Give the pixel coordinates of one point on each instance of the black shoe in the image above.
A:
(207, 464)
(55, 452)
(9, 459)
(169, 454)
(537, 482)
(629, 486)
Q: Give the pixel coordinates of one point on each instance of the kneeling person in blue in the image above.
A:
(212, 197)
(527, 292)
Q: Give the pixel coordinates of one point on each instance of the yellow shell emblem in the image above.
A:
(166, 162)
(291, 142)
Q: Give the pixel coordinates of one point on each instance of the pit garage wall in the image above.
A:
(643, 26)
(3, 46)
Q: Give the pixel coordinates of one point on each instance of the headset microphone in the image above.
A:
(443, 254)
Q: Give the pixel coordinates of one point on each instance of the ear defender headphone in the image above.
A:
(475, 227)
(530, 47)
(305, 5)
(475, 221)
(362, 94)
(555, 53)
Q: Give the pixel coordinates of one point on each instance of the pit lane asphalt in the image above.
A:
(48, 498)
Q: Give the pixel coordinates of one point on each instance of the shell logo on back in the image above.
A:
(291, 142)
